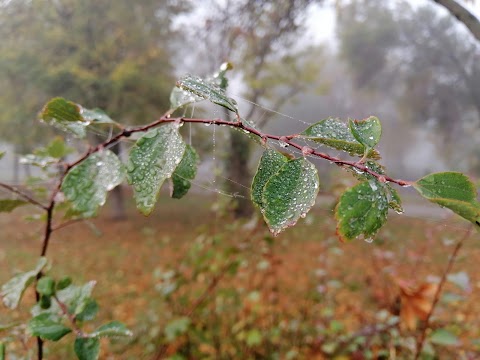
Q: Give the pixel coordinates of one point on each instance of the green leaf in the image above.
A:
(8, 205)
(176, 327)
(77, 298)
(48, 327)
(38, 160)
(112, 329)
(87, 348)
(89, 312)
(336, 134)
(57, 148)
(46, 286)
(13, 290)
(180, 97)
(87, 184)
(45, 302)
(185, 171)
(64, 115)
(394, 200)
(367, 132)
(289, 194)
(95, 116)
(452, 190)
(153, 159)
(71, 117)
(361, 210)
(2, 154)
(2, 351)
(270, 163)
(208, 91)
(64, 283)
(444, 337)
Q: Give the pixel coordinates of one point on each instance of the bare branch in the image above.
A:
(463, 15)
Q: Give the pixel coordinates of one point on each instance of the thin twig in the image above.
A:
(25, 196)
(69, 316)
(443, 280)
(263, 136)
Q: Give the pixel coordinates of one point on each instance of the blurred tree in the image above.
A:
(420, 57)
(111, 54)
(264, 41)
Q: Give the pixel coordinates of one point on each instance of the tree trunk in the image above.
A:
(237, 170)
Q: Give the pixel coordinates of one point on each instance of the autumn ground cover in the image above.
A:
(191, 283)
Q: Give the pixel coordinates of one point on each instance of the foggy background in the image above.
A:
(410, 63)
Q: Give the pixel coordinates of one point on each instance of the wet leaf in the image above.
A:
(87, 184)
(64, 115)
(70, 117)
(452, 190)
(367, 132)
(336, 134)
(89, 312)
(77, 298)
(48, 327)
(361, 210)
(87, 348)
(8, 205)
(56, 149)
(208, 91)
(270, 163)
(95, 116)
(13, 290)
(444, 337)
(289, 194)
(112, 329)
(394, 200)
(36, 160)
(46, 286)
(185, 171)
(180, 97)
(154, 159)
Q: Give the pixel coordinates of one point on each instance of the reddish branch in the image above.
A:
(26, 197)
(127, 132)
(443, 280)
(237, 124)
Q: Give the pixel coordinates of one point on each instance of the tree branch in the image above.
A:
(24, 196)
(237, 124)
(463, 15)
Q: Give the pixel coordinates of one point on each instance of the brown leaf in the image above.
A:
(416, 303)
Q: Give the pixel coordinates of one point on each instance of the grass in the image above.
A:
(305, 274)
